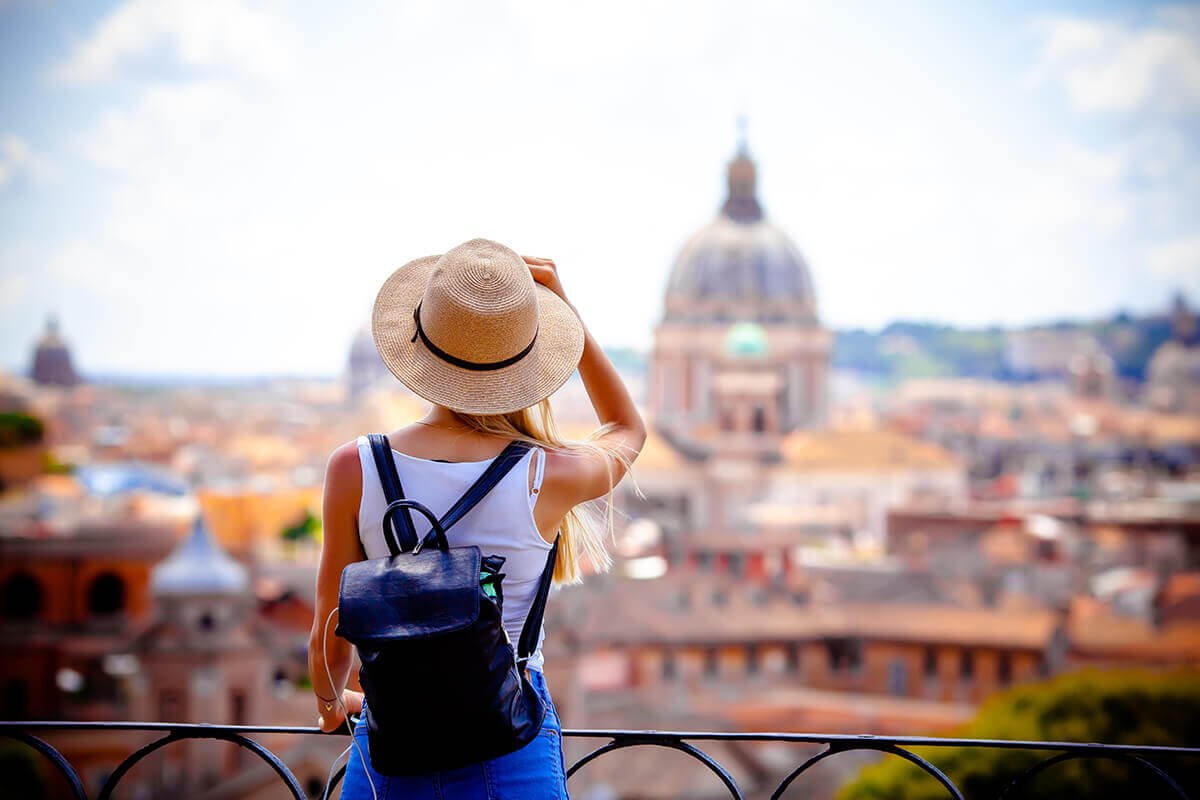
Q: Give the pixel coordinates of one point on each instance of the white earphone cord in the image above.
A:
(338, 697)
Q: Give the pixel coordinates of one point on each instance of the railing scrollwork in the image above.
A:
(1139, 757)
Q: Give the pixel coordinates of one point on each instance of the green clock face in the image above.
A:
(746, 340)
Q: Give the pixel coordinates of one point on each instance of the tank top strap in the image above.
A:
(539, 467)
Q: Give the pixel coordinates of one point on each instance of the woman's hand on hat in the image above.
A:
(545, 272)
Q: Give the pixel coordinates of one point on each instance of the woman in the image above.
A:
(486, 336)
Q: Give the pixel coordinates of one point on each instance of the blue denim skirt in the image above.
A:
(534, 772)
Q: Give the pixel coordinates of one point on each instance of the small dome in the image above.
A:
(746, 340)
(198, 565)
(741, 264)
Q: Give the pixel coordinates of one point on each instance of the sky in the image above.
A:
(219, 188)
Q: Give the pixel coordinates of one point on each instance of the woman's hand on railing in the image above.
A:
(330, 721)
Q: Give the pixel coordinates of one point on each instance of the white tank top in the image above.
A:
(501, 524)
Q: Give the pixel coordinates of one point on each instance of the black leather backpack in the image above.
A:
(444, 686)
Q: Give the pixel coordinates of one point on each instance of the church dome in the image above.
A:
(52, 359)
(198, 565)
(741, 266)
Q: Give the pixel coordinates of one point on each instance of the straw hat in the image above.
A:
(472, 331)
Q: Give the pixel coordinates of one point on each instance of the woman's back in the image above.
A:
(486, 336)
(501, 524)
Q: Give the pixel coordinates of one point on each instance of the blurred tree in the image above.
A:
(22, 768)
(53, 466)
(306, 528)
(1115, 707)
(18, 428)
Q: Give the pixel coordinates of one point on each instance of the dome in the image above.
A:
(198, 565)
(741, 265)
(52, 359)
(365, 366)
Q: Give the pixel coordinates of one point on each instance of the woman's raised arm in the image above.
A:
(592, 477)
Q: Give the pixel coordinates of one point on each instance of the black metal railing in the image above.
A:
(1141, 758)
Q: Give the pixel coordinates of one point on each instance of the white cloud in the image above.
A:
(14, 286)
(218, 34)
(1178, 261)
(249, 228)
(17, 159)
(1106, 66)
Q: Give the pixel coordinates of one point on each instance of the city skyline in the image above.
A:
(219, 189)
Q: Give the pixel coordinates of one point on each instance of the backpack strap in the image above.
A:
(501, 465)
(537, 609)
(381, 449)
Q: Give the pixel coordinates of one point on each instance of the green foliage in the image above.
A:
(910, 349)
(17, 428)
(307, 528)
(22, 769)
(1115, 707)
(929, 350)
(52, 466)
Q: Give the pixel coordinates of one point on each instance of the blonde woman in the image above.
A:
(486, 336)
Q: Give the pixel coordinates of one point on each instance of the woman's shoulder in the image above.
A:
(344, 468)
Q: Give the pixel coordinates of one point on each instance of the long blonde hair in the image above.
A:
(585, 532)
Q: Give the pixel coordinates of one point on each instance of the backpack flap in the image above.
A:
(409, 596)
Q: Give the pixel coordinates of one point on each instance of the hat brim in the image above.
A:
(555, 354)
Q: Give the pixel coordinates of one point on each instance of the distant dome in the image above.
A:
(746, 340)
(52, 359)
(741, 265)
(364, 367)
(198, 565)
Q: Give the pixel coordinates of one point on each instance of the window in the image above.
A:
(844, 654)
(791, 656)
(668, 666)
(966, 666)
(238, 713)
(21, 597)
(760, 419)
(898, 677)
(16, 700)
(752, 659)
(931, 662)
(106, 595)
(1004, 668)
(170, 705)
(711, 664)
(736, 564)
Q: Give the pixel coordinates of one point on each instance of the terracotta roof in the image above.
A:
(681, 607)
(879, 451)
(1109, 635)
(658, 454)
(739, 542)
